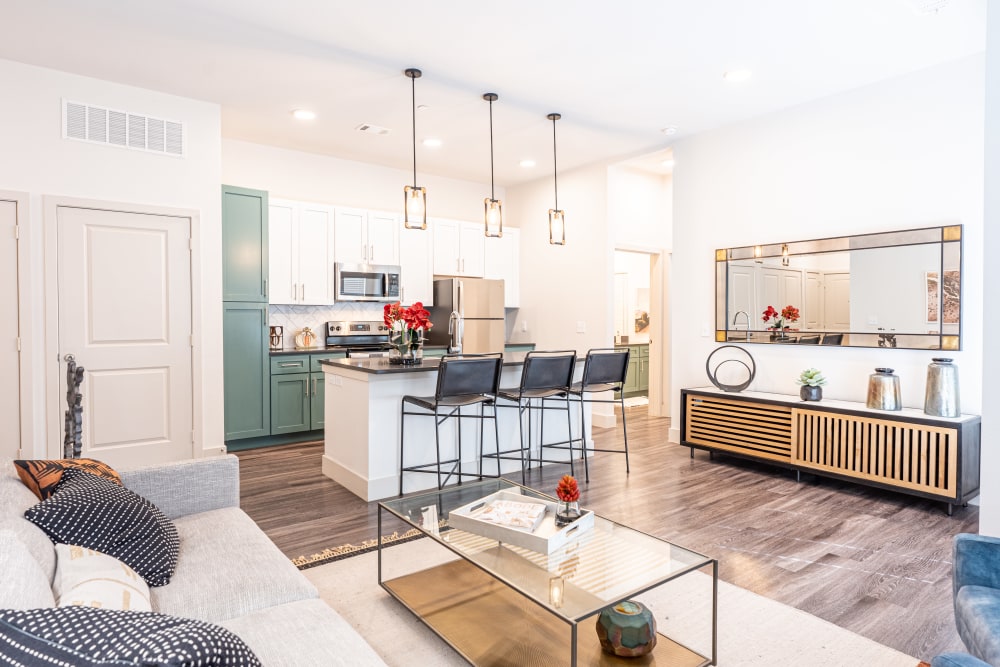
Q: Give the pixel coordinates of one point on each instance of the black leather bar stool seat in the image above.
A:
(604, 370)
(462, 381)
(545, 376)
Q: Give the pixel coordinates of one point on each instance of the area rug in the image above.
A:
(753, 630)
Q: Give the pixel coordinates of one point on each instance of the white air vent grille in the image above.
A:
(122, 128)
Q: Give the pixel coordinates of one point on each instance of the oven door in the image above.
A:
(366, 282)
(366, 353)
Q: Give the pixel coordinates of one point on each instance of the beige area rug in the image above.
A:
(753, 630)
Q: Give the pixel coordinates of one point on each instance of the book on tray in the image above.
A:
(513, 514)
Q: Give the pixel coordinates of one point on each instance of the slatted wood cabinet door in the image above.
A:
(758, 429)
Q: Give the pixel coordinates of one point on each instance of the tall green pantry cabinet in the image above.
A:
(246, 365)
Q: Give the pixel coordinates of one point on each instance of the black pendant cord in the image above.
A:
(413, 100)
(555, 165)
(492, 193)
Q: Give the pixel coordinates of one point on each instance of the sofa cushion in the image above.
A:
(91, 636)
(15, 498)
(25, 585)
(227, 568)
(88, 578)
(977, 615)
(318, 633)
(89, 511)
(43, 476)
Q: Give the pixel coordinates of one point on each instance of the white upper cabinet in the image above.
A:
(458, 248)
(300, 253)
(366, 237)
(502, 262)
(415, 248)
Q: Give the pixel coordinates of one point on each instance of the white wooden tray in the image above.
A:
(545, 539)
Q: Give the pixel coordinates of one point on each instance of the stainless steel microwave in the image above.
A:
(366, 282)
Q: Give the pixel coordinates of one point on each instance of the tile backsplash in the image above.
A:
(296, 318)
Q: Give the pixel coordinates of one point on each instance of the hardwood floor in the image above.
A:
(874, 562)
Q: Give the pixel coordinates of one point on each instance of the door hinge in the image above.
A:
(192, 437)
(17, 231)
(18, 343)
(191, 340)
(190, 244)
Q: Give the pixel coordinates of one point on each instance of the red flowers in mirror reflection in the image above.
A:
(778, 320)
(568, 491)
(397, 318)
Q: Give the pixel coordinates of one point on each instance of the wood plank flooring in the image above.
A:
(874, 562)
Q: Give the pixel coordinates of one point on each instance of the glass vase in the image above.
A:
(567, 513)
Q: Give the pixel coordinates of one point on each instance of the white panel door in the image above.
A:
(770, 290)
(742, 298)
(10, 372)
(349, 236)
(812, 310)
(473, 253)
(315, 254)
(125, 314)
(282, 269)
(791, 291)
(837, 310)
(415, 266)
(383, 238)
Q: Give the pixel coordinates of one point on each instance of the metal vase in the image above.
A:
(883, 390)
(941, 395)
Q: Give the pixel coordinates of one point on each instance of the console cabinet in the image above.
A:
(907, 451)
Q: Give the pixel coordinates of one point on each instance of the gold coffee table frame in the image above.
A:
(494, 604)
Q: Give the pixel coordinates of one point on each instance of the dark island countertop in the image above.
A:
(381, 365)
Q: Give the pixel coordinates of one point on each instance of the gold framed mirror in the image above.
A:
(897, 289)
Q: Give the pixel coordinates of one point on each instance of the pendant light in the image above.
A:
(557, 219)
(414, 198)
(492, 207)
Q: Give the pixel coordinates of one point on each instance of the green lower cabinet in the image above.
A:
(632, 379)
(316, 398)
(245, 370)
(290, 404)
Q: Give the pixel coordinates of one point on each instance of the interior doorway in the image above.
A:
(10, 330)
(640, 297)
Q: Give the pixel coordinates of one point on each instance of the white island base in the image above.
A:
(362, 426)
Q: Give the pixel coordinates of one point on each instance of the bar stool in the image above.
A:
(604, 370)
(463, 380)
(545, 376)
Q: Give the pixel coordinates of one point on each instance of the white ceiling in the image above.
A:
(618, 72)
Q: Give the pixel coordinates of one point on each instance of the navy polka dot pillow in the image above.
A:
(95, 513)
(91, 637)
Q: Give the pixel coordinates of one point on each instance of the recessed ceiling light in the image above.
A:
(670, 129)
(737, 75)
(304, 114)
(526, 163)
(432, 143)
(667, 163)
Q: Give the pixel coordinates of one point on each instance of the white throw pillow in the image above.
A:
(88, 578)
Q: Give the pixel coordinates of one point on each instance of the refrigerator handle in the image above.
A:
(461, 298)
(455, 331)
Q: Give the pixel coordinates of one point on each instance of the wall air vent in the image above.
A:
(84, 122)
(368, 128)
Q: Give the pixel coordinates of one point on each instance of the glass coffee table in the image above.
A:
(500, 604)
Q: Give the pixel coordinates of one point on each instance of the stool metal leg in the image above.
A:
(402, 439)
(458, 454)
(569, 436)
(621, 399)
(437, 447)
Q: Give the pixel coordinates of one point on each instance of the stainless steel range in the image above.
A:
(359, 339)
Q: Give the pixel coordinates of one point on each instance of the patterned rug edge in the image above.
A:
(350, 550)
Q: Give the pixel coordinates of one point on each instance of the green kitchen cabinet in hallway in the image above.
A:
(290, 403)
(246, 370)
(244, 244)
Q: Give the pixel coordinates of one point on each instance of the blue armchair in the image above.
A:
(976, 590)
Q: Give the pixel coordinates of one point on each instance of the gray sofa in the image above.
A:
(228, 572)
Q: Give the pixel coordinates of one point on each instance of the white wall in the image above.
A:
(862, 161)
(989, 512)
(563, 285)
(889, 288)
(37, 160)
(311, 177)
(639, 208)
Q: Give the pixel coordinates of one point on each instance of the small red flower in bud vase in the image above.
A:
(569, 494)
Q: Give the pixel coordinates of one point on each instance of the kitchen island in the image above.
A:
(362, 409)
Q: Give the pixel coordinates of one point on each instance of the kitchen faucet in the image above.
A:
(737, 316)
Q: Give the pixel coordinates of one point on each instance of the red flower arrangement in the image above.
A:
(568, 491)
(398, 318)
(790, 313)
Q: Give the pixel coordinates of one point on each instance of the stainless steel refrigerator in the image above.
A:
(468, 315)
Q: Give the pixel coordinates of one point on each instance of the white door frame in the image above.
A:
(659, 352)
(25, 379)
(53, 407)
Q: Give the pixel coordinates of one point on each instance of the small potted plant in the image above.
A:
(568, 493)
(812, 382)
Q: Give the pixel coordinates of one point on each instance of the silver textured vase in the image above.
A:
(941, 396)
(883, 390)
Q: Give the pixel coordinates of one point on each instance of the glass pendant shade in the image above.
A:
(557, 227)
(493, 211)
(414, 207)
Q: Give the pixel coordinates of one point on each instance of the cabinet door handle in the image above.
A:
(315, 380)
(265, 288)
(307, 388)
(303, 291)
(289, 364)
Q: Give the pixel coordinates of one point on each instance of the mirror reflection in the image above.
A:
(893, 290)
